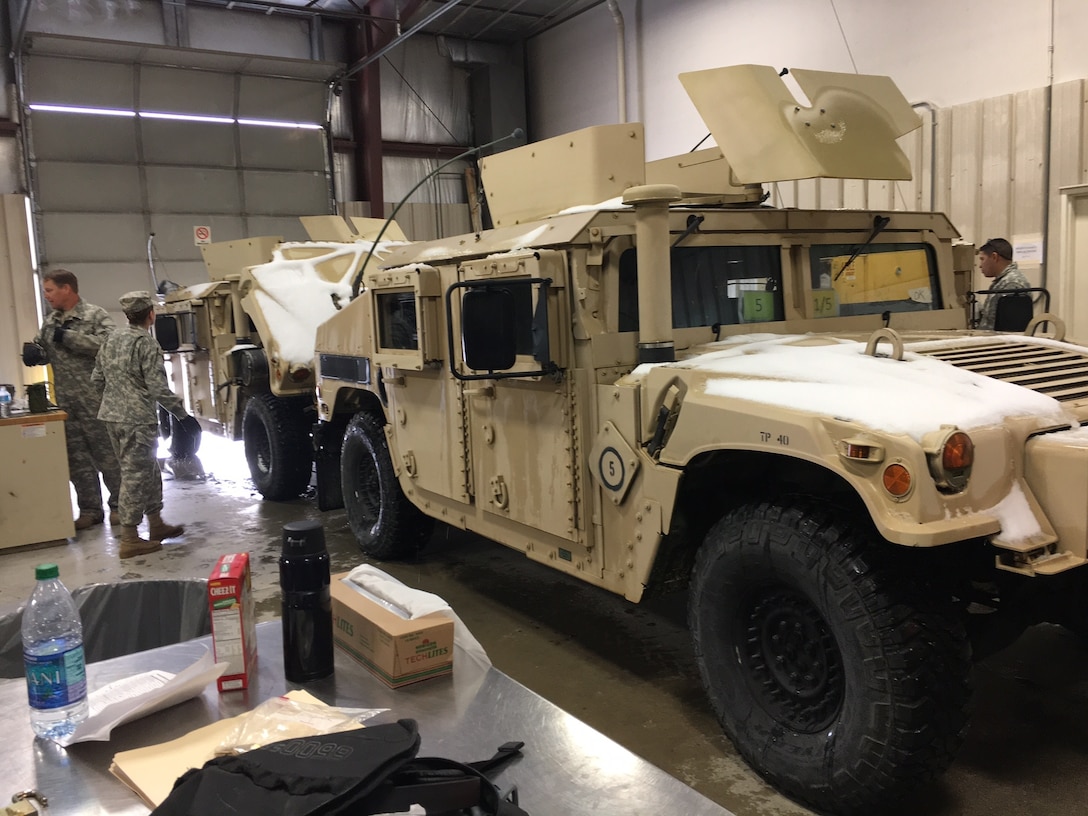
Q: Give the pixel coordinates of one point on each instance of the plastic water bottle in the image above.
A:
(5, 401)
(307, 606)
(56, 674)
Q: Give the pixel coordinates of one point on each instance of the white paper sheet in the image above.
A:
(133, 697)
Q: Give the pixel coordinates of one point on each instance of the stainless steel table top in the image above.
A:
(566, 766)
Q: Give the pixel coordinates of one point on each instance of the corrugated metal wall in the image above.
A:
(987, 171)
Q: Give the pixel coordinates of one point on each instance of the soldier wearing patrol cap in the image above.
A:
(69, 339)
(131, 370)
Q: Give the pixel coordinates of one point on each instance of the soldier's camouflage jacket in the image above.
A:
(86, 328)
(1011, 278)
(131, 368)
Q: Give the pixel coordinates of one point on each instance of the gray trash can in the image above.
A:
(121, 618)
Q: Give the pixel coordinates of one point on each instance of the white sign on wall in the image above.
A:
(1027, 249)
(202, 235)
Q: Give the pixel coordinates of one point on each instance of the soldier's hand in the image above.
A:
(34, 355)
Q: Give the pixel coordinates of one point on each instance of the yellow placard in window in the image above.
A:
(825, 303)
(757, 307)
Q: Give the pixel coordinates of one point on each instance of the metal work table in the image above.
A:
(566, 766)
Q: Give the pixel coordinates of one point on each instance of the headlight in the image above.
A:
(950, 453)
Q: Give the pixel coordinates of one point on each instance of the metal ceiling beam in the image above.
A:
(307, 10)
(553, 19)
(389, 46)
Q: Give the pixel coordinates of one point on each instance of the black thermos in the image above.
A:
(307, 609)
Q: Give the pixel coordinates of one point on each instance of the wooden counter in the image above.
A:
(35, 500)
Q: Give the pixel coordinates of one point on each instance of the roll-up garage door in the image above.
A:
(186, 146)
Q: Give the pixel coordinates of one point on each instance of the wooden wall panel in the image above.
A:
(1028, 163)
(1067, 168)
(994, 172)
(964, 171)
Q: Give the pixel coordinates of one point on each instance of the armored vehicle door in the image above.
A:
(427, 440)
(512, 315)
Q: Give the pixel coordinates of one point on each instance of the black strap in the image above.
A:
(445, 786)
(505, 752)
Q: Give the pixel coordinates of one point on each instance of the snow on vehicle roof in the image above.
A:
(835, 377)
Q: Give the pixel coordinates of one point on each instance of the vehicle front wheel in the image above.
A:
(385, 524)
(836, 676)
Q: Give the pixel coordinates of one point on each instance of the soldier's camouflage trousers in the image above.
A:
(90, 452)
(141, 481)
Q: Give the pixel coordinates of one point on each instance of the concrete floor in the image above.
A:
(626, 670)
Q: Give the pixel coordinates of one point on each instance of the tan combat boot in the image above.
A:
(88, 519)
(132, 544)
(159, 529)
(115, 519)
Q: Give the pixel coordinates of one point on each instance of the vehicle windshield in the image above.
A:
(712, 285)
(882, 278)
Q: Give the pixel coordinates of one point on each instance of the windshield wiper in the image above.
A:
(880, 222)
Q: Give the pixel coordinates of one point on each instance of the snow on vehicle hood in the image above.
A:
(835, 377)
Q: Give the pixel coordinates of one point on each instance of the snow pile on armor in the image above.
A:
(296, 295)
(836, 378)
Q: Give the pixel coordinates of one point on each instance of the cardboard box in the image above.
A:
(234, 635)
(397, 651)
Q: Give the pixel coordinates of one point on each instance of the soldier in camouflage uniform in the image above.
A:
(69, 339)
(995, 261)
(130, 367)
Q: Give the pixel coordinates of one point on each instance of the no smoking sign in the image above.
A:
(202, 235)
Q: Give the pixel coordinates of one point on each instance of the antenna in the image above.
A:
(517, 133)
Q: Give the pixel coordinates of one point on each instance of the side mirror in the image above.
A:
(166, 332)
(488, 335)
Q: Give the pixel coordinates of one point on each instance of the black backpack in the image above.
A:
(352, 773)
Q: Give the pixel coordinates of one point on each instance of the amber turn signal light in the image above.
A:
(897, 480)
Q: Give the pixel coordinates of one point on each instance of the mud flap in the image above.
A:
(328, 438)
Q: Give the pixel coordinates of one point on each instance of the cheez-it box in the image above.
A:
(234, 635)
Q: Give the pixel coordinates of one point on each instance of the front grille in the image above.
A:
(1060, 373)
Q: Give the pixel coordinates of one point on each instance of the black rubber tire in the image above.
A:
(839, 678)
(385, 524)
(276, 436)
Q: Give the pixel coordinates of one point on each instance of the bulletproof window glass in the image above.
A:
(509, 307)
(882, 278)
(397, 327)
(166, 332)
(489, 334)
(723, 285)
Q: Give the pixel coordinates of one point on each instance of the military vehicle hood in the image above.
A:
(970, 382)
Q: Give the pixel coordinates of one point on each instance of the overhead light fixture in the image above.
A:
(182, 117)
(280, 124)
(77, 109)
(186, 117)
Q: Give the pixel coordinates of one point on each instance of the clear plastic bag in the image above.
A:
(281, 718)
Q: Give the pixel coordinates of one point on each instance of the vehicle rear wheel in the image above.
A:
(385, 524)
(277, 443)
(837, 677)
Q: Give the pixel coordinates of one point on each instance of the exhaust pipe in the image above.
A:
(651, 203)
